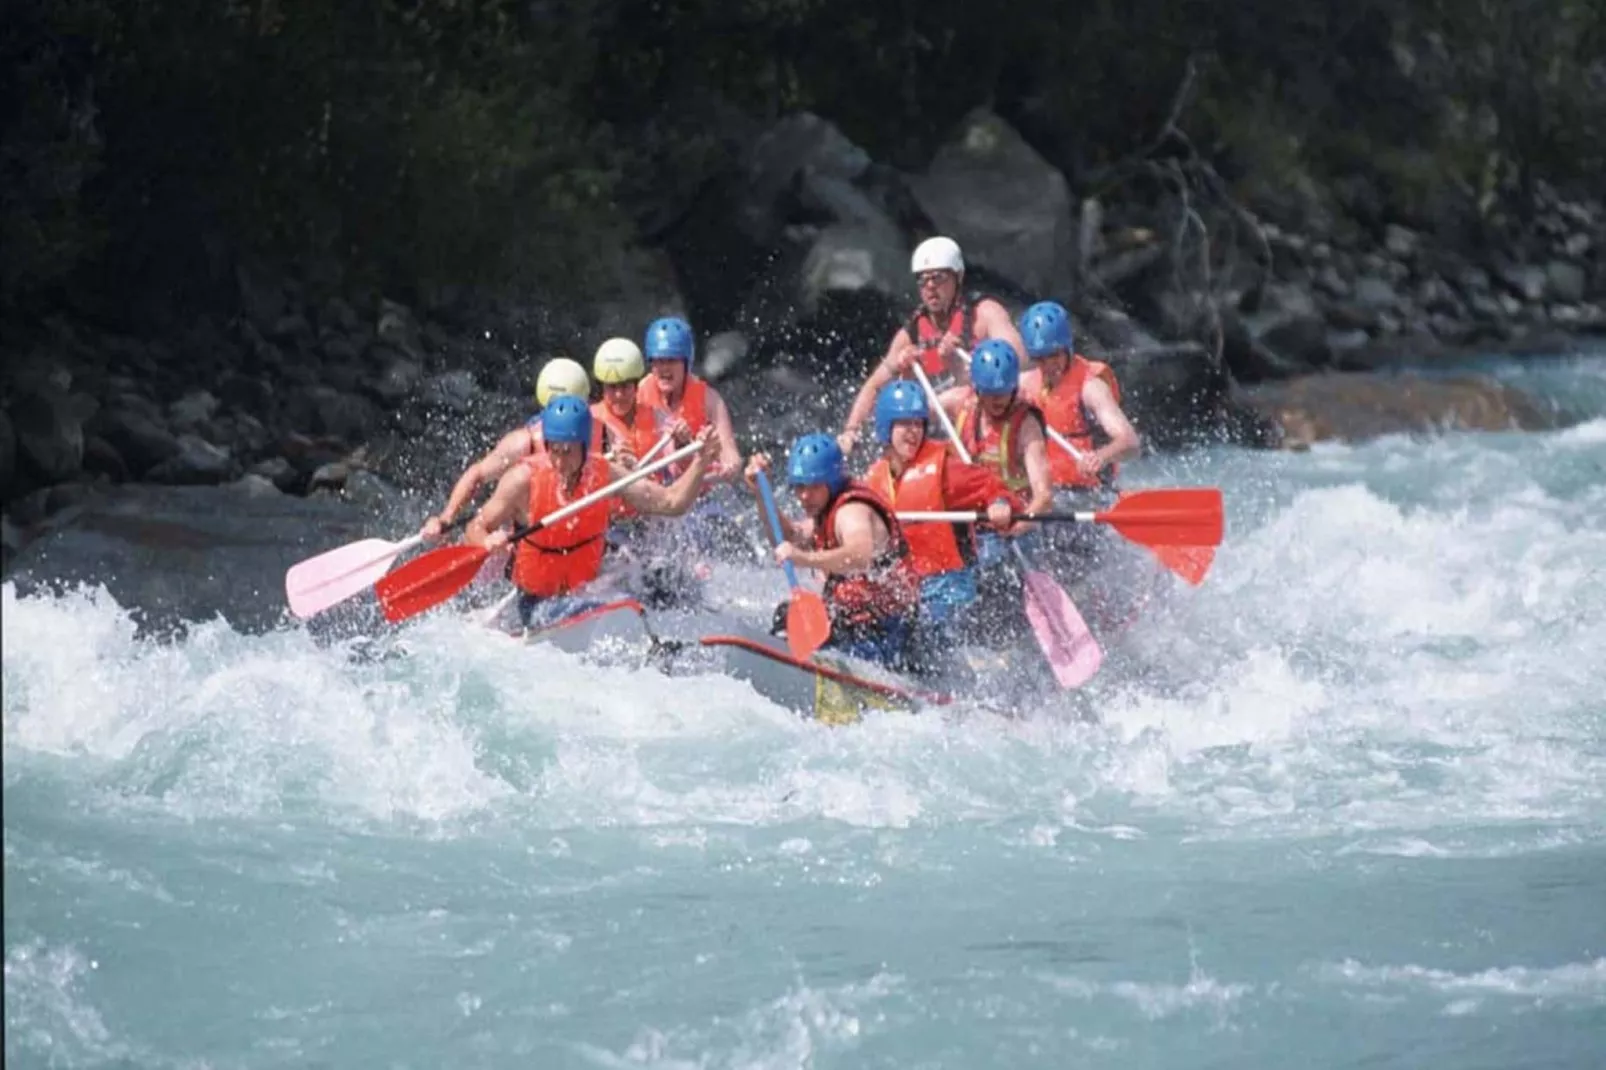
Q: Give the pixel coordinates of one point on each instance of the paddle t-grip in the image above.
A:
(767, 497)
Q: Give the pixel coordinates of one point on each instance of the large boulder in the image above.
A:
(1356, 406)
(48, 425)
(1006, 206)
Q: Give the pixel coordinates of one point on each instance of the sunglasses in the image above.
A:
(932, 278)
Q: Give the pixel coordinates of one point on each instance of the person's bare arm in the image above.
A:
(992, 321)
(885, 372)
(656, 499)
(1034, 454)
(488, 469)
(508, 504)
(729, 466)
(1124, 441)
(857, 528)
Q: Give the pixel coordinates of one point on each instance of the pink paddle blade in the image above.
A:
(1071, 650)
(330, 578)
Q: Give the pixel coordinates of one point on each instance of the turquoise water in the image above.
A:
(1346, 806)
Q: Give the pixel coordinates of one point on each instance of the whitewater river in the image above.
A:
(1346, 806)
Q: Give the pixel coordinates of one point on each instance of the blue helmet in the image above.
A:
(898, 400)
(1046, 329)
(816, 458)
(669, 338)
(567, 419)
(994, 367)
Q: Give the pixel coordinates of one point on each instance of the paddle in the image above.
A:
(1059, 629)
(1186, 517)
(333, 576)
(808, 624)
(1189, 562)
(1071, 650)
(430, 579)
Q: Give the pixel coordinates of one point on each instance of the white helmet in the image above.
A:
(561, 376)
(937, 254)
(618, 360)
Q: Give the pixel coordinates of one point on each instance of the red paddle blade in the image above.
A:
(1184, 517)
(1189, 562)
(808, 625)
(428, 580)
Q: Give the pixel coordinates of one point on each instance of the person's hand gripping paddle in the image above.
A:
(808, 624)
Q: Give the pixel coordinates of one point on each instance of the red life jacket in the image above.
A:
(567, 555)
(889, 587)
(1063, 410)
(998, 449)
(924, 332)
(933, 548)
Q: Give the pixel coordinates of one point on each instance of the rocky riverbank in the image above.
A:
(791, 259)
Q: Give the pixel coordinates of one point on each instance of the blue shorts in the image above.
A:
(946, 594)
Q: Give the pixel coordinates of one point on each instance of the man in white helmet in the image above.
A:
(560, 376)
(943, 328)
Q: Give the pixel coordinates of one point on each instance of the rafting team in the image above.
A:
(1034, 416)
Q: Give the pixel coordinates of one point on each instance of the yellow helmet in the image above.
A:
(561, 376)
(618, 360)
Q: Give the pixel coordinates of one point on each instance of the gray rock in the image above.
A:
(1372, 292)
(854, 256)
(399, 380)
(192, 410)
(278, 471)
(368, 490)
(338, 315)
(141, 441)
(1006, 206)
(49, 432)
(292, 328)
(198, 462)
(804, 150)
(1348, 341)
(329, 477)
(397, 328)
(1401, 242)
(455, 391)
(1577, 245)
(345, 416)
(255, 485)
(338, 348)
(1527, 281)
(1565, 281)
(101, 458)
(1329, 281)
(1485, 307)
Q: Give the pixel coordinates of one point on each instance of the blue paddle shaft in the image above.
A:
(767, 496)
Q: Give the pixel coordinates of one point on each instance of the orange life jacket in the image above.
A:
(567, 555)
(1063, 410)
(999, 448)
(924, 332)
(639, 436)
(933, 548)
(889, 587)
(693, 409)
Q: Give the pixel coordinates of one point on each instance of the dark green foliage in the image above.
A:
(418, 142)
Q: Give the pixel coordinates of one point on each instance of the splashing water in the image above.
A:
(1346, 799)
